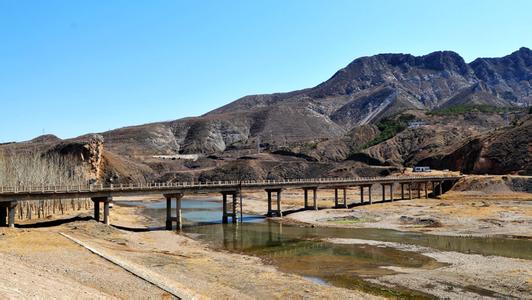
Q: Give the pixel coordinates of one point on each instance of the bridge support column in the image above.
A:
(96, 210)
(106, 220)
(433, 189)
(410, 191)
(337, 203)
(233, 213)
(106, 201)
(278, 212)
(224, 208)
(345, 198)
(168, 213)
(315, 198)
(384, 191)
(269, 214)
(441, 188)
(426, 190)
(362, 193)
(225, 214)
(419, 190)
(177, 218)
(402, 191)
(7, 209)
(11, 215)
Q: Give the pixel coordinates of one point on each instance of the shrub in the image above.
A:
(390, 127)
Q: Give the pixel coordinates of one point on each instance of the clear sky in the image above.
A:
(73, 67)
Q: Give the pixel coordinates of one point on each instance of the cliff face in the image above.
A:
(87, 151)
(502, 152)
(364, 92)
(82, 156)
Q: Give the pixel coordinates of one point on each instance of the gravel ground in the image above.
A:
(466, 275)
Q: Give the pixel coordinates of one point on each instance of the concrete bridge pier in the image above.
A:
(437, 191)
(177, 218)
(106, 201)
(278, 211)
(362, 193)
(419, 190)
(336, 198)
(345, 197)
(426, 190)
(403, 190)
(7, 210)
(384, 191)
(225, 213)
(314, 197)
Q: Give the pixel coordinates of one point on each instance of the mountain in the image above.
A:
(357, 122)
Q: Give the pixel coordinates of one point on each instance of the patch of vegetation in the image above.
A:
(465, 108)
(352, 220)
(310, 145)
(390, 127)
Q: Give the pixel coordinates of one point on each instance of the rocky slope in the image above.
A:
(500, 152)
(365, 91)
(357, 122)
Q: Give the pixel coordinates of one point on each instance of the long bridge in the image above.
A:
(174, 191)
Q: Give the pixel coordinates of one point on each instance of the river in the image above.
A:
(302, 250)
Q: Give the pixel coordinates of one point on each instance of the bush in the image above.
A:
(390, 127)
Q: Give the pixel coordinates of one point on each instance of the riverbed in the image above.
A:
(381, 261)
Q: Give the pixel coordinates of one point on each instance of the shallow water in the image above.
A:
(301, 249)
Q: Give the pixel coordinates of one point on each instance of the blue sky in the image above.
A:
(73, 67)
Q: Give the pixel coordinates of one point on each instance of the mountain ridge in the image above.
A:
(338, 127)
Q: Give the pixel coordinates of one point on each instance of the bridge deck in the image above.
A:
(11, 196)
(89, 191)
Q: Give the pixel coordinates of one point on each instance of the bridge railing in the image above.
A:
(87, 188)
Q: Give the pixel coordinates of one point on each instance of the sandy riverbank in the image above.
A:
(463, 276)
(477, 206)
(41, 263)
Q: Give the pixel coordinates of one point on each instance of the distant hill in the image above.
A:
(364, 92)
(358, 122)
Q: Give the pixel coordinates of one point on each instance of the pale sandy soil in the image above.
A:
(41, 263)
(465, 276)
(482, 210)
